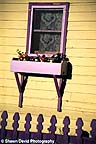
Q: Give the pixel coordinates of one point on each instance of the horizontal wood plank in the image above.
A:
(81, 44)
(77, 52)
(83, 61)
(5, 49)
(81, 88)
(87, 79)
(82, 17)
(82, 26)
(8, 25)
(81, 35)
(14, 16)
(13, 33)
(12, 7)
(13, 41)
(81, 7)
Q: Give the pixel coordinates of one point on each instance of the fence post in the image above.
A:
(3, 131)
(66, 130)
(24, 136)
(15, 125)
(38, 135)
(79, 130)
(93, 131)
(52, 128)
(27, 126)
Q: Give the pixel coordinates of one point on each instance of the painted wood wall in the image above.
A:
(40, 96)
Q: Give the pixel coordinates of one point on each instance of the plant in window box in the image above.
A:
(22, 56)
(55, 58)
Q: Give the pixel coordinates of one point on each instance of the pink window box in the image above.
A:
(44, 68)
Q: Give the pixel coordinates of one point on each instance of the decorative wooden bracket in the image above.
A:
(22, 81)
(60, 91)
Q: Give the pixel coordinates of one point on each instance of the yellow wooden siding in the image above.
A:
(40, 95)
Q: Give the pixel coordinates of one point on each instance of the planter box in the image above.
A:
(43, 68)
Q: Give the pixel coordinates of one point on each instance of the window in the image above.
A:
(47, 24)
